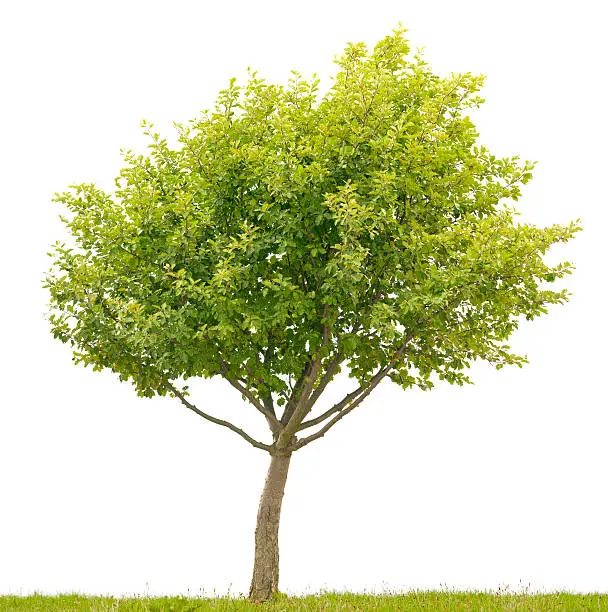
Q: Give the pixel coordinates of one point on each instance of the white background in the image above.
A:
(493, 485)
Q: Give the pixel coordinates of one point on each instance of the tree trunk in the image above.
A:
(265, 580)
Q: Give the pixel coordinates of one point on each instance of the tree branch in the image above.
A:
(342, 413)
(234, 428)
(335, 408)
(304, 441)
(329, 374)
(301, 407)
(299, 410)
(273, 423)
(291, 404)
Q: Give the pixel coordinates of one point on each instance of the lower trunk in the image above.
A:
(265, 580)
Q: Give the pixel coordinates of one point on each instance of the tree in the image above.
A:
(290, 235)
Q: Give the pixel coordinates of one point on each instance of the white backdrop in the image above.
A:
(493, 485)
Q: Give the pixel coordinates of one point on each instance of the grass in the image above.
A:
(422, 600)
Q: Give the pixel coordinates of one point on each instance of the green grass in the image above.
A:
(427, 600)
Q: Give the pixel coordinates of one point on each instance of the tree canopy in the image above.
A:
(293, 233)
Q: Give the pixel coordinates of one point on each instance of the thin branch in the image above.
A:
(291, 404)
(331, 370)
(240, 432)
(335, 408)
(373, 384)
(274, 424)
(269, 405)
(327, 377)
(301, 407)
(304, 441)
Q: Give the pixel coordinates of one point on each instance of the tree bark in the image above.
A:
(265, 580)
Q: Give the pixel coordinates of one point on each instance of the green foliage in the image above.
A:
(290, 226)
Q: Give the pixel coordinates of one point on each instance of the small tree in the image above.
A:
(291, 235)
